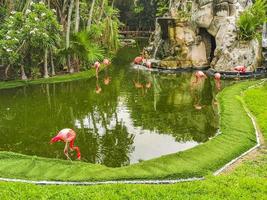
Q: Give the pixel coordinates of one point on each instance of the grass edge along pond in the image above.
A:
(237, 136)
(55, 79)
(247, 181)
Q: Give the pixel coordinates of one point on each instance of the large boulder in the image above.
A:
(243, 53)
(210, 38)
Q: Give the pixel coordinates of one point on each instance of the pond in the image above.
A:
(136, 115)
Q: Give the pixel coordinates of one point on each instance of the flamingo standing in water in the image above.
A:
(106, 61)
(199, 76)
(97, 66)
(67, 136)
(217, 77)
(148, 64)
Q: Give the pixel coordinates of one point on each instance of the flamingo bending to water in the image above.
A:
(97, 65)
(138, 60)
(67, 136)
(241, 69)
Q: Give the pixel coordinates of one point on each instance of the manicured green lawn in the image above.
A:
(237, 137)
(231, 188)
(247, 182)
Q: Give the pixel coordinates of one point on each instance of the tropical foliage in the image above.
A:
(52, 35)
(252, 19)
(141, 14)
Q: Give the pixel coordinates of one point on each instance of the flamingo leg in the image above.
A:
(72, 147)
(66, 150)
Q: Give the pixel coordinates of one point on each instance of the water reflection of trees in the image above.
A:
(30, 116)
(116, 145)
(168, 108)
(37, 113)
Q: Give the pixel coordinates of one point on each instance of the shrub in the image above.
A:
(252, 19)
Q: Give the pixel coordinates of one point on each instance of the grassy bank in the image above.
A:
(213, 188)
(237, 137)
(247, 182)
(56, 79)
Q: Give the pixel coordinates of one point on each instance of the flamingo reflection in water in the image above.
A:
(197, 86)
(144, 87)
(107, 79)
(217, 79)
(97, 67)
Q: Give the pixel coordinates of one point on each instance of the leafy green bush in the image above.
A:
(252, 19)
(35, 73)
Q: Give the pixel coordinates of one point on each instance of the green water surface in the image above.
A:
(139, 115)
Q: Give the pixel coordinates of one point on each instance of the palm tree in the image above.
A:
(101, 11)
(89, 22)
(83, 48)
(71, 70)
(77, 16)
(23, 74)
(45, 63)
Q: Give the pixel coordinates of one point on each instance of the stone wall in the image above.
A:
(187, 46)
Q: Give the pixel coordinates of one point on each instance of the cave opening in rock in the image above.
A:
(210, 43)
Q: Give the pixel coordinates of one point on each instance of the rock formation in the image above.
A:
(264, 45)
(203, 33)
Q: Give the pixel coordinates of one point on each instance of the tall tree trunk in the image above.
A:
(6, 72)
(89, 22)
(76, 30)
(71, 70)
(170, 5)
(45, 64)
(22, 71)
(77, 16)
(101, 11)
(52, 64)
(48, 3)
(62, 15)
(27, 5)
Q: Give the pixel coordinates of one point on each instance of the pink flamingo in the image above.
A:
(148, 64)
(241, 69)
(138, 60)
(199, 76)
(97, 66)
(67, 136)
(106, 61)
(217, 77)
